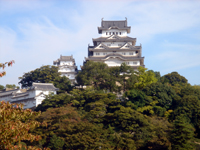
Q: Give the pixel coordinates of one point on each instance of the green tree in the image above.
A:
(12, 86)
(182, 134)
(1, 87)
(93, 73)
(56, 143)
(46, 74)
(137, 97)
(15, 123)
(144, 78)
(162, 93)
(54, 101)
(189, 107)
(174, 78)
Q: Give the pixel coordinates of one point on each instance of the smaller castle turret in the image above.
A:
(67, 67)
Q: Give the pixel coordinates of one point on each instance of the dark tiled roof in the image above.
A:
(114, 24)
(6, 93)
(66, 58)
(116, 39)
(44, 86)
(63, 58)
(108, 49)
(20, 95)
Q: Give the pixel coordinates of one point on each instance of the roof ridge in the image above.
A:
(43, 83)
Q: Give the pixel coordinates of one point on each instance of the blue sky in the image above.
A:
(37, 32)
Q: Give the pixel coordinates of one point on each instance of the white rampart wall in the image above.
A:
(33, 99)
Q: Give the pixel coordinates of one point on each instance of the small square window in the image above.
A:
(104, 53)
(116, 33)
(130, 53)
(123, 53)
(120, 33)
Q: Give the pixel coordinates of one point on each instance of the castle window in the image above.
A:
(110, 33)
(97, 54)
(101, 46)
(119, 44)
(127, 63)
(108, 44)
(104, 53)
(127, 46)
(136, 52)
(113, 33)
(106, 33)
(120, 33)
(130, 53)
(112, 42)
(116, 33)
(123, 53)
(135, 62)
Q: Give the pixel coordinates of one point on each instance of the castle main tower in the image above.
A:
(114, 47)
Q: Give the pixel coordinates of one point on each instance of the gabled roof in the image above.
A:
(115, 55)
(44, 86)
(131, 47)
(103, 46)
(64, 58)
(114, 38)
(106, 25)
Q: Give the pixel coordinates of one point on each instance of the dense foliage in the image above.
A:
(15, 123)
(120, 109)
(46, 74)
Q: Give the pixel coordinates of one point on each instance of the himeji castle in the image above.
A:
(67, 67)
(114, 47)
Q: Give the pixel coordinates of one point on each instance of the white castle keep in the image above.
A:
(114, 47)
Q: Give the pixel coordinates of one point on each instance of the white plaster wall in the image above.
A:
(30, 103)
(66, 70)
(114, 62)
(96, 54)
(66, 63)
(6, 98)
(114, 44)
(118, 62)
(128, 53)
(123, 32)
(102, 54)
(27, 104)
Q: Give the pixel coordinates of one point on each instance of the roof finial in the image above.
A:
(101, 19)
